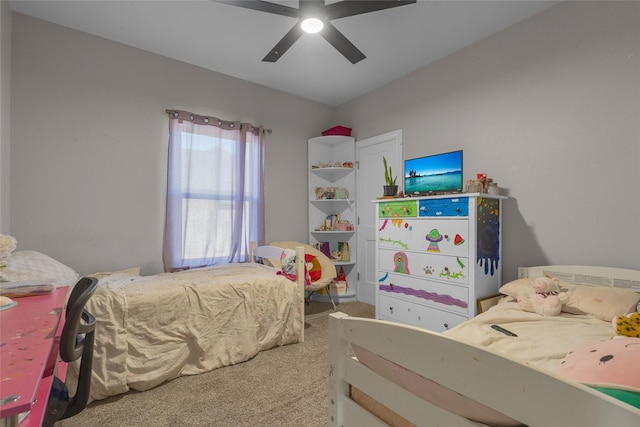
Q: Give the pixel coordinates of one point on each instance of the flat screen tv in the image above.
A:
(435, 174)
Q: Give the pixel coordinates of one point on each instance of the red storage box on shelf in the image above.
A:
(337, 130)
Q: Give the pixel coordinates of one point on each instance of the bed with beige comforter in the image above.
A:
(151, 329)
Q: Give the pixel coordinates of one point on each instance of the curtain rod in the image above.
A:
(206, 119)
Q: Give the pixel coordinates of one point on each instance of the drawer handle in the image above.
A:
(391, 310)
(446, 325)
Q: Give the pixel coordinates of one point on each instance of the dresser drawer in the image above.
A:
(455, 206)
(453, 269)
(442, 296)
(397, 310)
(400, 208)
(447, 237)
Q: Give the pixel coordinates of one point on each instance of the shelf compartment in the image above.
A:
(332, 173)
(323, 201)
(332, 232)
(345, 263)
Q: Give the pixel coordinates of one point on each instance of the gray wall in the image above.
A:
(89, 142)
(549, 108)
(5, 115)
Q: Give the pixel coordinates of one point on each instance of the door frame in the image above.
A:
(394, 159)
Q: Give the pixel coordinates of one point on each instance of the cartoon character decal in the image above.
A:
(433, 238)
(401, 263)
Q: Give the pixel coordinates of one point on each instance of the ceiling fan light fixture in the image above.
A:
(315, 16)
(311, 25)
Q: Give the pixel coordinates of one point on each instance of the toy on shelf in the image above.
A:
(337, 164)
(334, 223)
(331, 193)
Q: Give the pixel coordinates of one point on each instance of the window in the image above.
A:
(215, 202)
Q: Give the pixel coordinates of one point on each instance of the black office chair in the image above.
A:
(76, 341)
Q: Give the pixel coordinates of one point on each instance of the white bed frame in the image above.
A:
(587, 275)
(529, 395)
(274, 252)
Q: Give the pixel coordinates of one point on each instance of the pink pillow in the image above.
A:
(612, 364)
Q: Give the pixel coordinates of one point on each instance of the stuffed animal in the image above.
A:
(610, 366)
(628, 326)
(545, 297)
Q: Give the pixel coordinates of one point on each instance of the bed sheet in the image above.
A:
(151, 329)
(541, 342)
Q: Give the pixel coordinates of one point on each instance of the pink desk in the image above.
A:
(29, 346)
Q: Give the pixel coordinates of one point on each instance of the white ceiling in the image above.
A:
(233, 40)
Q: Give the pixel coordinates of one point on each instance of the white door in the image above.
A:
(369, 183)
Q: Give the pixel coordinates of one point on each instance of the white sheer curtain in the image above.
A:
(215, 202)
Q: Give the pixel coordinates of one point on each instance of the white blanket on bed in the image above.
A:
(155, 328)
(542, 342)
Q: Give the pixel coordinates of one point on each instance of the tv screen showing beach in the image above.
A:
(437, 174)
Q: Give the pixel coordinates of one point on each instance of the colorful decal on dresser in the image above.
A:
(431, 296)
(488, 235)
(451, 275)
(397, 242)
(395, 209)
(401, 263)
(433, 238)
(458, 240)
(398, 223)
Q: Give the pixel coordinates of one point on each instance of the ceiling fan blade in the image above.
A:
(284, 44)
(346, 8)
(263, 6)
(341, 43)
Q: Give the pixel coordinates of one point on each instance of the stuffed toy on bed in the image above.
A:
(610, 366)
(545, 297)
(628, 326)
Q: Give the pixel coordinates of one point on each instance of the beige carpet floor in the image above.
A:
(282, 387)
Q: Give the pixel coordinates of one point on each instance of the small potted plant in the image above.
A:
(390, 187)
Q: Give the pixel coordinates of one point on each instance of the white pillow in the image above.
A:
(602, 302)
(31, 265)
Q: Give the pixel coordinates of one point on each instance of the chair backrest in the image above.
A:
(77, 341)
(327, 266)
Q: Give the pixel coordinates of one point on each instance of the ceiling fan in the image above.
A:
(314, 16)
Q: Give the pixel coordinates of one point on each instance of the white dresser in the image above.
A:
(436, 256)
